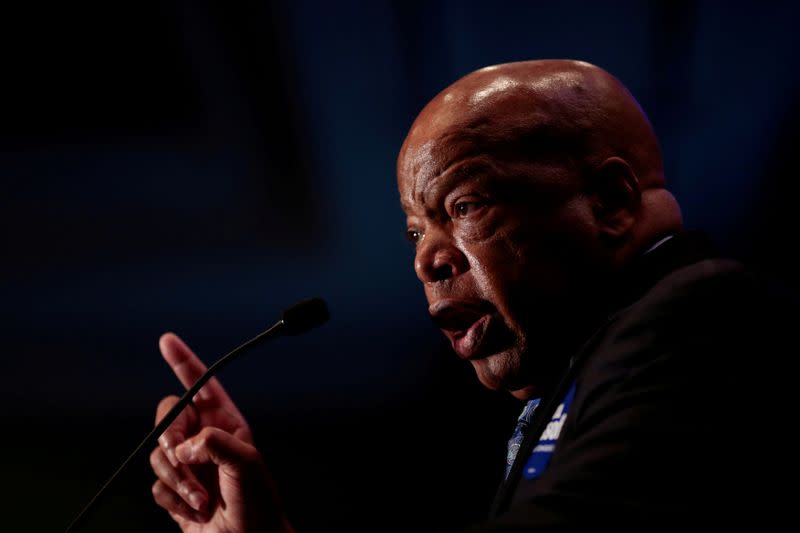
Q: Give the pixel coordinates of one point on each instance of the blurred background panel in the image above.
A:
(197, 166)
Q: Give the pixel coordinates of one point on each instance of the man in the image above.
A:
(554, 260)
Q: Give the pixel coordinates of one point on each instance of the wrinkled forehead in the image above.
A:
(443, 131)
(514, 128)
(496, 109)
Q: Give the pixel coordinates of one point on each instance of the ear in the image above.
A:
(616, 198)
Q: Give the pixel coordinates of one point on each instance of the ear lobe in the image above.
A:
(616, 197)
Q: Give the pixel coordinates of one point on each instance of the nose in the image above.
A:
(439, 258)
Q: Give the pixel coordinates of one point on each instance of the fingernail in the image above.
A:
(172, 457)
(196, 500)
(169, 451)
(183, 452)
(202, 394)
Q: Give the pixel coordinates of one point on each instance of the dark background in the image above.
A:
(197, 166)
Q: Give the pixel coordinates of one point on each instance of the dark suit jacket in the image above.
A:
(678, 418)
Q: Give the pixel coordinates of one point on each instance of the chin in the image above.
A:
(498, 371)
(503, 371)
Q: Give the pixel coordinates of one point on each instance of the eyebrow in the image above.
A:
(450, 177)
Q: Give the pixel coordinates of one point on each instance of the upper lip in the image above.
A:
(455, 316)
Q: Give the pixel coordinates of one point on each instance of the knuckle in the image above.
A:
(171, 438)
(167, 402)
(165, 497)
(164, 406)
(177, 518)
(208, 437)
(155, 457)
(249, 454)
(158, 490)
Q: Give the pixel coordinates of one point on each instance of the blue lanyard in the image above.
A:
(540, 456)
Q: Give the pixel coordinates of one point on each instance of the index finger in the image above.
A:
(184, 425)
(188, 367)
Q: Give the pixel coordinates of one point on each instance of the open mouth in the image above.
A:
(466, 323)
(470, 344)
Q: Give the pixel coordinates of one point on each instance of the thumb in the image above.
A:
(251, 491)
(213, 445)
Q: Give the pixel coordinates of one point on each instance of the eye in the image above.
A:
(413, 235)
(464, 209)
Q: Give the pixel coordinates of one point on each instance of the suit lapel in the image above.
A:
(681, 250)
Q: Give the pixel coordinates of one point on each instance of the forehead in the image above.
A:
(495, 116)
(507, 119)
(429, 160)
(529, 149)
(449, 129)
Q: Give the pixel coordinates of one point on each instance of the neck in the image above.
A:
(525, 394)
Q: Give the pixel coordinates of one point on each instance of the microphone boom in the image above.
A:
(295, 320)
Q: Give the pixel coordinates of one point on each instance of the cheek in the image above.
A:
(517, 269)
(499, 266)
(534, 259)
(554, 251)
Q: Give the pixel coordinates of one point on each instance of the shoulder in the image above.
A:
(708, 337)
(706, 302)
(707, 333)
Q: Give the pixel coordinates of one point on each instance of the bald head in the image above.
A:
(527, 188)
(571, 102)
(563, 111)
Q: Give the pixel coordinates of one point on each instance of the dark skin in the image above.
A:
(211, 477)
(527, 187)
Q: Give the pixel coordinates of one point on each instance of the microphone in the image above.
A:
(296, 320)
(304, 316)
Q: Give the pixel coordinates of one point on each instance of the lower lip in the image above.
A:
(468, 345)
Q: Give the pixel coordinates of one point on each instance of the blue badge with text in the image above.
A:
(540, 456)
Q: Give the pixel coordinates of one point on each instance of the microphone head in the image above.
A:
(304, 316)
